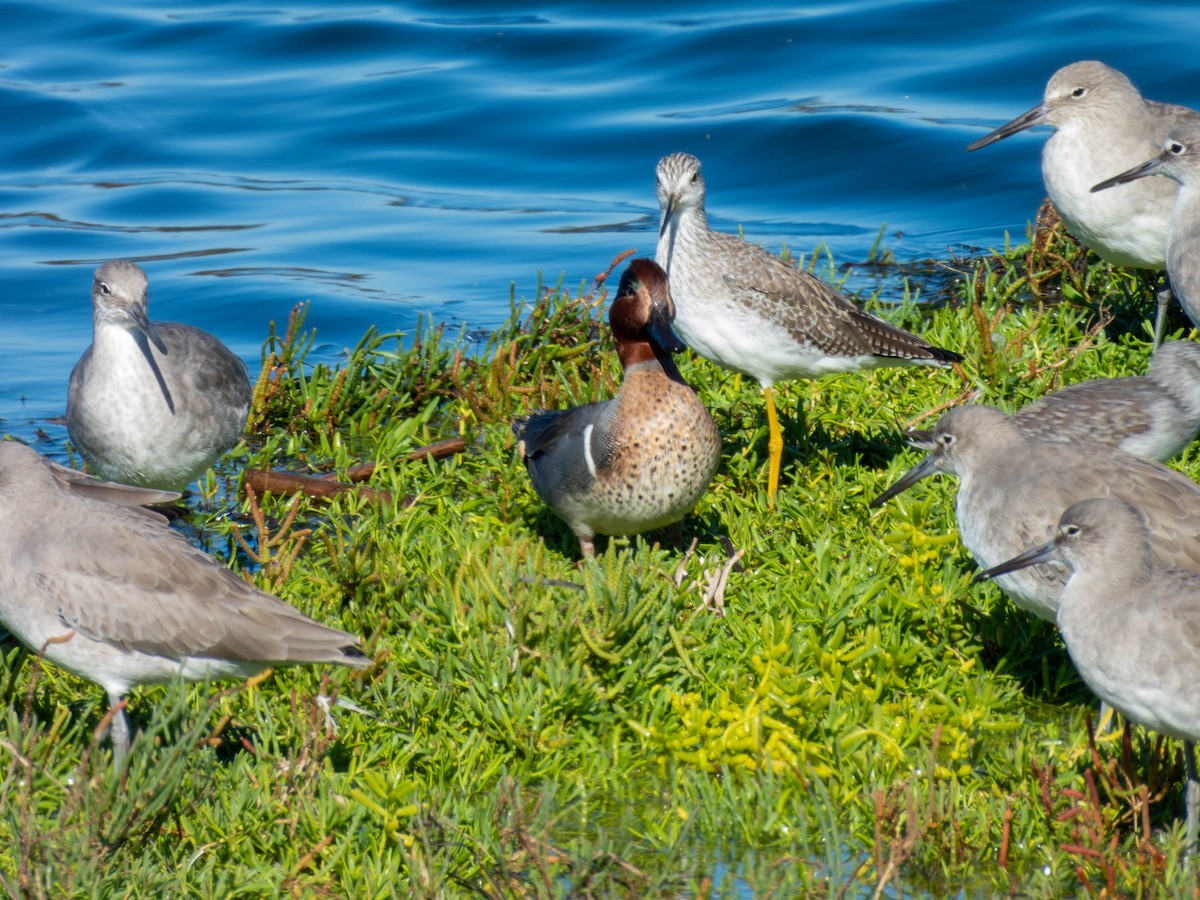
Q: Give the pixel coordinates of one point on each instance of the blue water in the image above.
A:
(392, 161)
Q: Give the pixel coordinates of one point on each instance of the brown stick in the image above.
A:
(439, 450)
(264, 481)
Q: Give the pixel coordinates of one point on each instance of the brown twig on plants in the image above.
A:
(599, 280)
(1005, 836)
(325, 487)
(276, 552)
(967, 396)
(916, 826)
(265, 481)
(437, 450)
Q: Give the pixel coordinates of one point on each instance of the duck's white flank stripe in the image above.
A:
(587, 449)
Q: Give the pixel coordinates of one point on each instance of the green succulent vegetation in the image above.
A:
(848, 716)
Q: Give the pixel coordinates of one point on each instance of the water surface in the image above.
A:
(389, 162)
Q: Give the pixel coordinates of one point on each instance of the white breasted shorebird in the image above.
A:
(1102, 127)
(641, 460)
(1179, 162)
(750, 311)
(100, 586)
(152, 404)
(1131, 626)
(1012, 490)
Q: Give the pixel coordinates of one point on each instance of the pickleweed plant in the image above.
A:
(802, 699)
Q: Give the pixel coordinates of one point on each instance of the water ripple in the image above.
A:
(389, 162)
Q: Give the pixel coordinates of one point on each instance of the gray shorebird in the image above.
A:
(1013, 489)
(103, 588)
(641, 460)
(1155, 415)
(750, 311)
(1179, 161)
(1131, 626)
(152, 404)
(1102, 127)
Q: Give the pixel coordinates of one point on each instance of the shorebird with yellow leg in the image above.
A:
(750, 311)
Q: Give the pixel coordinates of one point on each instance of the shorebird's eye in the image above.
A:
(946, 439)
(1078, 92)
(1176, 148)
(104, 289)
(1070, 531)
(695, 177)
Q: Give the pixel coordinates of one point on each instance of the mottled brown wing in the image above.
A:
(811, 310)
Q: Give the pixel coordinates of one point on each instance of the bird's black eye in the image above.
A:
(695, 177)
(946, 439)
(1175, 148)
(1078, 92)
(104, 289)
(1070, 530)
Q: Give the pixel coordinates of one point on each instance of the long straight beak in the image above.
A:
(1150, 167)
(667, 213)
(145, 326)
(926, 467)
(1039, 554)
(1028, 119)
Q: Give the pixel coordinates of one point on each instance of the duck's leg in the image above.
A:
(587, 541)
(774, 443)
